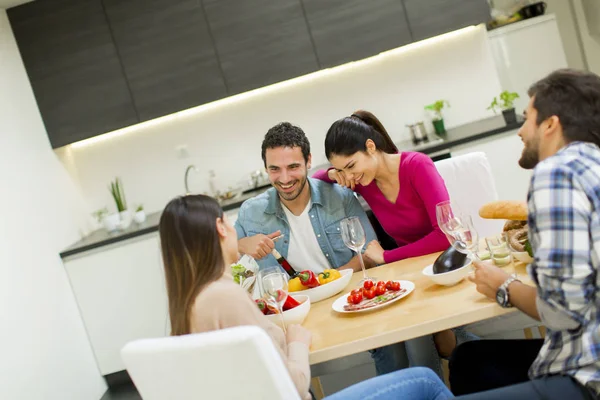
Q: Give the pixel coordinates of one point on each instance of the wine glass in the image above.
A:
(275, 286)
(458, 228)
(354, 238)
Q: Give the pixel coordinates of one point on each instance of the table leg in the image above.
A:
(317, 388)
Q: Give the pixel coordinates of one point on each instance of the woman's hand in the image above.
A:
(340, 178)
(297, 333)
(488, 278)
(374, 251)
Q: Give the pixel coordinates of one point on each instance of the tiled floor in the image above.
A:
(122, 392)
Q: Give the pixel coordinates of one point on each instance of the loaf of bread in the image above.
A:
(504, 209)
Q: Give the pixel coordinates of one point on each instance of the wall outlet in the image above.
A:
(182, 151)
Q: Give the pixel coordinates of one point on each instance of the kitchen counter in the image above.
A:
(456, 136)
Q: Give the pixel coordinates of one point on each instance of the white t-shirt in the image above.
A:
(304, 251)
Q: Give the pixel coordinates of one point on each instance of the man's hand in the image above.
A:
(488, 278)
(340, 178)
(374, 252)
(258, 246)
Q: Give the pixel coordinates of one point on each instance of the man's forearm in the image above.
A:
(524, 298)
(354, 264)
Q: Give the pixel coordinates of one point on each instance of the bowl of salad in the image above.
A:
(295, 310)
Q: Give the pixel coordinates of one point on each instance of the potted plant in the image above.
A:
(109, 221)
(438, 118)
(506, 104)
(140, 215)
(116, 190)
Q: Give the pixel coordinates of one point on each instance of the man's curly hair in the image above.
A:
(285, 134)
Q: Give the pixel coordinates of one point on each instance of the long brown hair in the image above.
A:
(348, 135)
(191, 252)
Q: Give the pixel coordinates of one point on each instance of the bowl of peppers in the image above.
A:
(320, 286)
(295, 309)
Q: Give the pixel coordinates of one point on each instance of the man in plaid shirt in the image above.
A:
(561, 135)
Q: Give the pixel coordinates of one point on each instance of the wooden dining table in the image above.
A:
(428, 309)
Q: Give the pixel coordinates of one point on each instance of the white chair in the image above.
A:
(236, 363)
(471, 184)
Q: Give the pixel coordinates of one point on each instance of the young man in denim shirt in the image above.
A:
(308, 213)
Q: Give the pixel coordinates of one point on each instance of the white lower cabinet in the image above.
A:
(121, 294)
(503, 152)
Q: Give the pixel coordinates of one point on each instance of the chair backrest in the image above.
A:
(235, 363)
(471, 184)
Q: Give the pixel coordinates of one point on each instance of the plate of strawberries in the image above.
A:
(373, 295)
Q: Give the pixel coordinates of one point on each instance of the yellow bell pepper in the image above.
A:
(329, 275)
(294, 285)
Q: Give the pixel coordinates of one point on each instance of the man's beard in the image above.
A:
(530, 157)
(292, 195)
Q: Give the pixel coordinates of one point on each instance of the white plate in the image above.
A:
(339, 304)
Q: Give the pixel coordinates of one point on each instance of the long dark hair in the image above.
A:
(191, 252)
(350, 134)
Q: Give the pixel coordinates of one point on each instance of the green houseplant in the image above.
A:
(438, 118)
(118, 194)
(140, 215)
(507, 105)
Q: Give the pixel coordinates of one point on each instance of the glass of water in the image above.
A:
(499, 250)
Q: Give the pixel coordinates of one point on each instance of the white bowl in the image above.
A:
(329, 289)
(522, 256)
(296, 315)
(449, 278)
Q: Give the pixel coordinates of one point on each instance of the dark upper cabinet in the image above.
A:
(72, 63)
(260, 42)
(428, 18)
(350, 30)
(167, 54)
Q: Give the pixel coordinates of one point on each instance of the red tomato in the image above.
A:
(380, 290)
(357, 298)
(395, 286)
(349, 299)
(369, 294)
(356, 291)
(381, 283)
(388, 285)
(368, 284)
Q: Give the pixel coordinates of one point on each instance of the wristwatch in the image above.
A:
(502, 293)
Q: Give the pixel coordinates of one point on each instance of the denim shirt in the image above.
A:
(330, 204)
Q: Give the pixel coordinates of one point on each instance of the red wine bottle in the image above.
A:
(284, 263)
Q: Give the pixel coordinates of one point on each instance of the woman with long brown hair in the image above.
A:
(198, 244)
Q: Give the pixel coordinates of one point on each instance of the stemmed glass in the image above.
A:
(275, 286)
(458, 228)
(354, 238)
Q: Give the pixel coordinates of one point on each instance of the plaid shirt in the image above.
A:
(564, 231)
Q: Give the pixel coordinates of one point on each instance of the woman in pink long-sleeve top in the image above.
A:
(402, 189)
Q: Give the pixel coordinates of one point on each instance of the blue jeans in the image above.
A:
(418, 352)
(412, 383)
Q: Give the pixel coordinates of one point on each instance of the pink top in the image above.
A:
(411, 219)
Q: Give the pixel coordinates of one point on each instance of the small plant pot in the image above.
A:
(140, 217)
(510, 116)
(125, 219)
(111, 222)
(438, 125)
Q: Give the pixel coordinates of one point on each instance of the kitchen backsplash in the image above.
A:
(225, 136)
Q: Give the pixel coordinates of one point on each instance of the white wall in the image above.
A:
(44, 350)
(569, 32)
(591, 42)
(226, 135)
